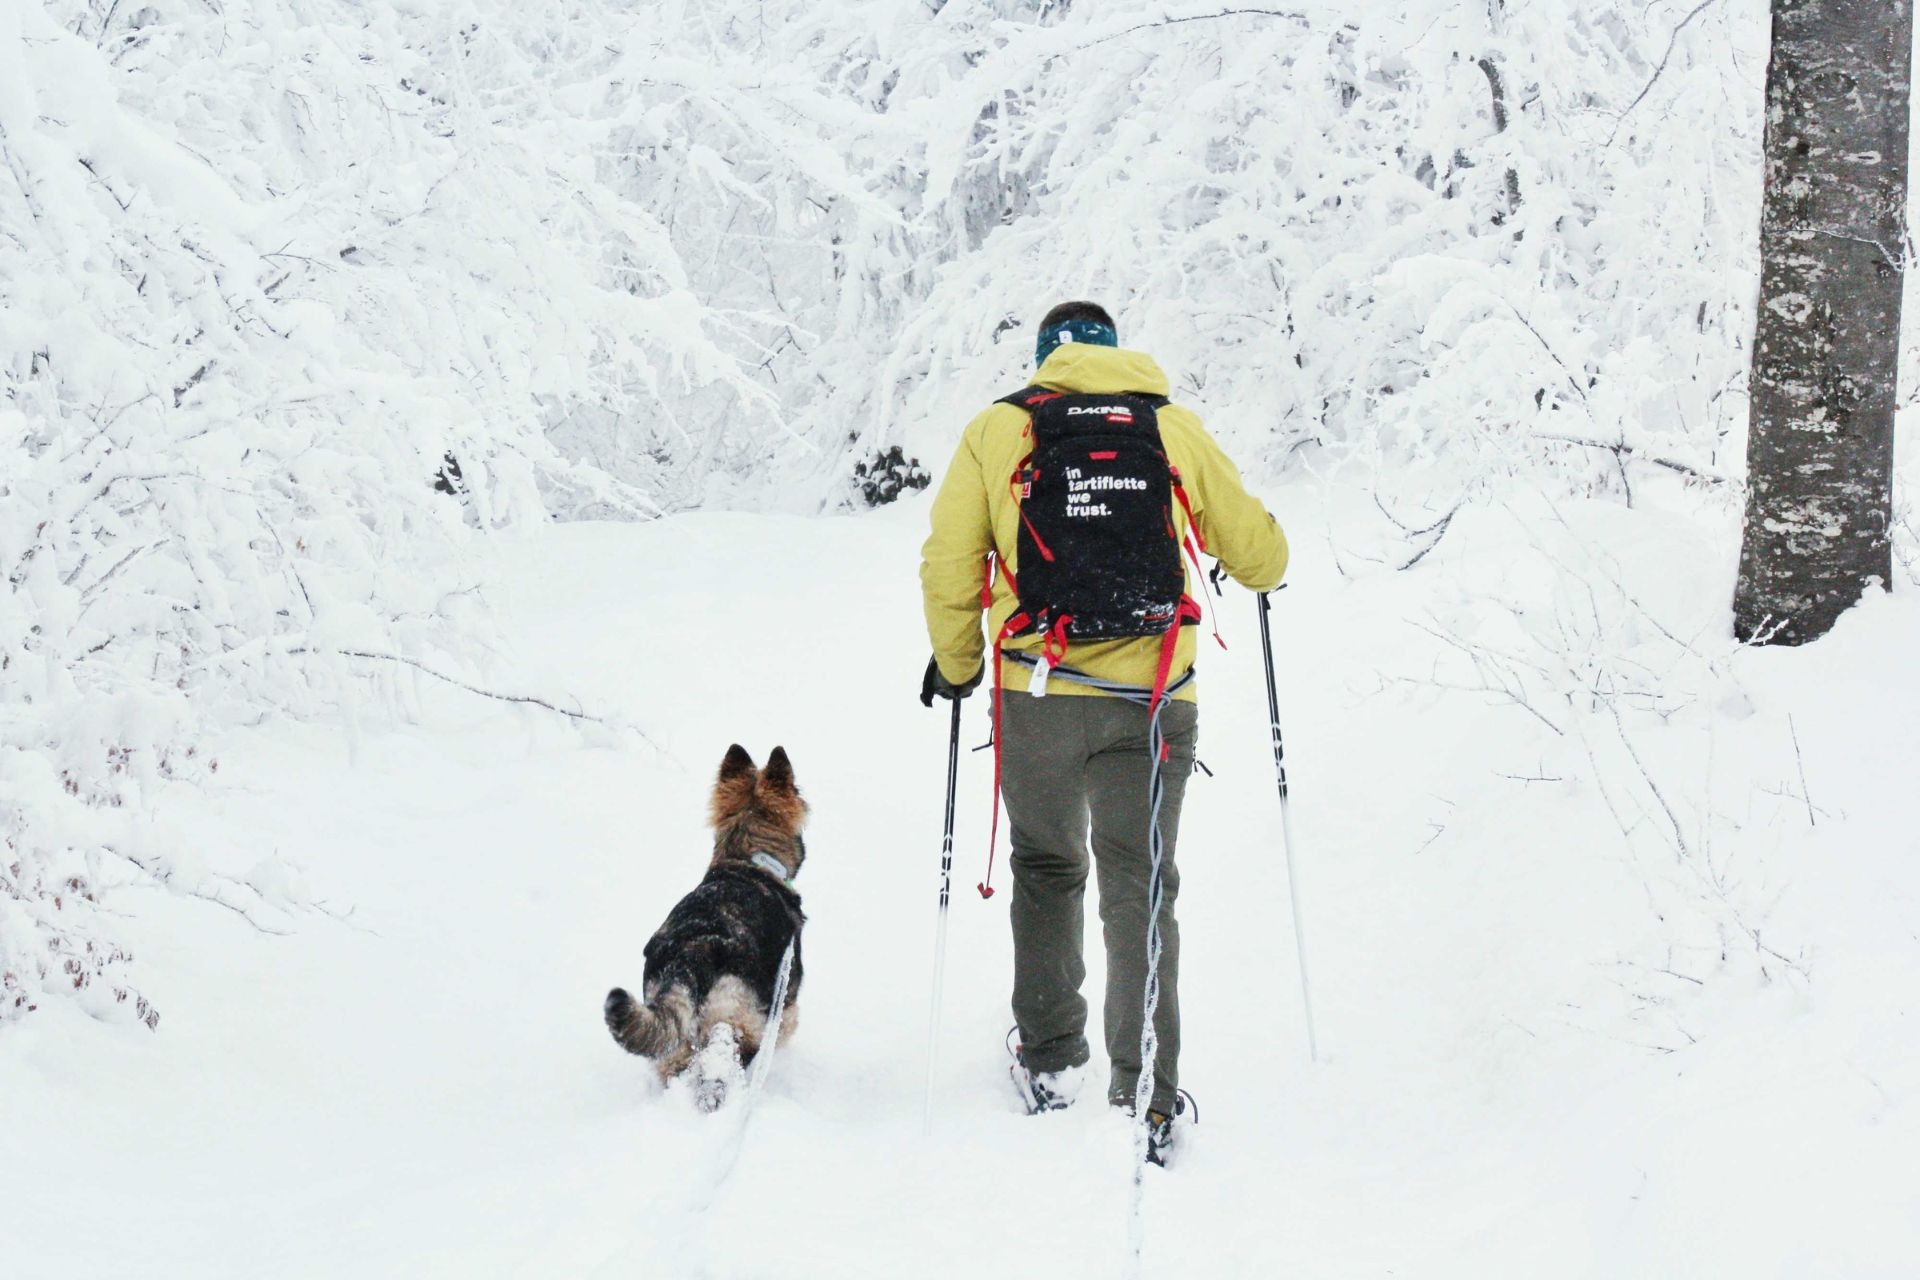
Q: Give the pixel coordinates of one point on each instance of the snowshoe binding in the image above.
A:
(1163, 1130)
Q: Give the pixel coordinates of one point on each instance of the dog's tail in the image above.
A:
(654, 1029)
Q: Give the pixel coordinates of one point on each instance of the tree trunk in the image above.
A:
(1827, 341)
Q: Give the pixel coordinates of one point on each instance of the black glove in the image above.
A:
(934, 685)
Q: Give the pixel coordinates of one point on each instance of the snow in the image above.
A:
(1533, 1064)
(304, 931)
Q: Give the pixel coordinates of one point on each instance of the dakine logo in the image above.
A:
(1098, 408)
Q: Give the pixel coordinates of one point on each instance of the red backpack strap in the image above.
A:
(1054, 647)
(1168, 642)
(1030, 398)
(1020, 485)
(1186, 505)
(1017, 623)
(1195, 536)
(996, 567)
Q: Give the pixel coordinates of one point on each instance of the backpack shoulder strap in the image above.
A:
(1033, 397)
(1030, 398)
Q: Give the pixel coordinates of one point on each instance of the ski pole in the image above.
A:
(940, 928)
(1286, 822)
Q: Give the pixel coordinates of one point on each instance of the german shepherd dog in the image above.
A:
(712, 967)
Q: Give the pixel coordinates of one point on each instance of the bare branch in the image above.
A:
(456, 682)
(1801, 764)
(1646, 775)
(1672, 40)
(1300, 18)
(1439, 531)
(1620, 449)
(213, 890)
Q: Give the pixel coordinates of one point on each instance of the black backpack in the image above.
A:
(1099, 549)
(1098, 545)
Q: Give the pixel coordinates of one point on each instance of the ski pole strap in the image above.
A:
(1139, 694)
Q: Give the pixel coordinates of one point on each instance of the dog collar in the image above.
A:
(773, 866)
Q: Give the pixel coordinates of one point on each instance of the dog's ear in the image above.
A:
(777, 795)
(733, 789)
(737, 762)
(778, 775)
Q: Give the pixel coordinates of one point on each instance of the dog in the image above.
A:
(713, 965)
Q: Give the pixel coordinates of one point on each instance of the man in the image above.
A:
(1075, 757)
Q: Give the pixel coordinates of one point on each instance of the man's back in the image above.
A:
(976, 512)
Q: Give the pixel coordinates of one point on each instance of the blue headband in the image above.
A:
(1059, 334)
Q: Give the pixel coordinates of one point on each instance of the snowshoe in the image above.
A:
(1163, 1130)
(1042, 1090)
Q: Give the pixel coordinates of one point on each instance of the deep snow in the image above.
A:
(1533, 1064)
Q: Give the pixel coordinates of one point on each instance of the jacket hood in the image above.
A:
(1084, 368)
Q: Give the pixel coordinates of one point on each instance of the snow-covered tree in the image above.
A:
(266, 269)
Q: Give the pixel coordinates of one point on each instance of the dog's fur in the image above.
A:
(715, 961)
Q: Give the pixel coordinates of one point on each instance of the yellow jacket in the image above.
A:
(975, 513)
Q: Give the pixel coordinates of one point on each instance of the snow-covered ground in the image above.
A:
(1553, 1043)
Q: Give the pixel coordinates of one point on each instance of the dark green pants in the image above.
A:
(1074, 766)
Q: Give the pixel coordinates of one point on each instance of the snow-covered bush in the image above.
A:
(1598, 628)
(264, 268)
